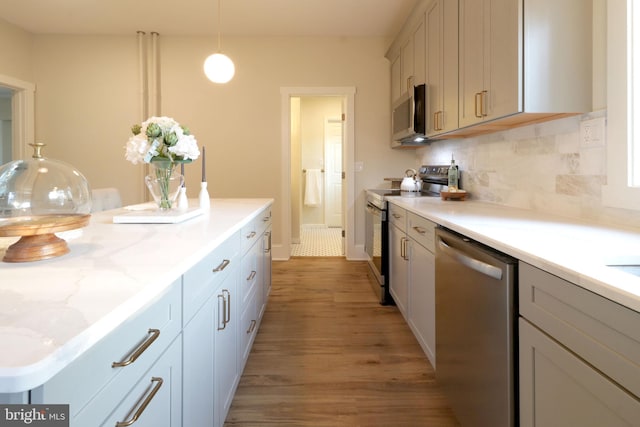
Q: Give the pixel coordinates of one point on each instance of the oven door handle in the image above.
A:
(472, 263)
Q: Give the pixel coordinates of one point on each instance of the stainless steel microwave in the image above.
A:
(409, 117)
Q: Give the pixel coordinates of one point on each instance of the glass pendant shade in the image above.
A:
(41, 186)
(219, 68)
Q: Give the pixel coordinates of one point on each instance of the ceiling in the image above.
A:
(341, 18)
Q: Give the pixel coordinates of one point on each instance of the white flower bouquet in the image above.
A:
(161, 139)
(162, 142)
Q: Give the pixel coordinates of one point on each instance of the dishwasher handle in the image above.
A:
(474, 264)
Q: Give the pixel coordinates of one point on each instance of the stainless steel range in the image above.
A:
(376, 243)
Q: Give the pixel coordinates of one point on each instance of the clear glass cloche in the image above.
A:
(42, 187)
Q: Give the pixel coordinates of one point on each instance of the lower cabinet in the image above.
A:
(155, 400)
(412, 274)
(579, 355)
(422, 304)
(560, 389)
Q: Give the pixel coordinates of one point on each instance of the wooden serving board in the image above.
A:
(451, 195)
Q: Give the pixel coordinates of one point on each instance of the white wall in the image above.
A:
(16, 48)
(88, 97)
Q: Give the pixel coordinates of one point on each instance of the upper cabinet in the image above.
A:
(489, 50)
(496, 64)
(441, 20)
(408, 58)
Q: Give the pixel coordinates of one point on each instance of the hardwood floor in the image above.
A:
(327, 354)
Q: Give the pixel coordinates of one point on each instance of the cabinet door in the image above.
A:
(396, 79)
(419, 53)
(490, 59)
(226, 374)
(266, 270)
(442, 70)
(406, 68)
(422, 298)
(472, 47)
(398, 268)
(558, 388)
(155, 400)
(198, 359)
(504, 61)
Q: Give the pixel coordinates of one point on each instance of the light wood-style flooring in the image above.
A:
(327, 354)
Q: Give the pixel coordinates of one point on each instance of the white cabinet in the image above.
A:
(522, 62)
(408, 58)
(398, 259)
(442, 66)
(226, 370)
(94, 385)
(579, 355)
(490, 36)
(202, 295)
(153, 401)
(412, 274)
(422, 283)
(491, 65)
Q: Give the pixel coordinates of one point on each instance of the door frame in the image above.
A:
(283, 252)
(22, 116)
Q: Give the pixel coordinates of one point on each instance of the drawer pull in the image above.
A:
(251, 235)
(144, 405)
(420, 230)
(267, 235)
(266, 218)
(252, 275)
(222, 266)
(396, 216)
(251, 327)
(155, 333)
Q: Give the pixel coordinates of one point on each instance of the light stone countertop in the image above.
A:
(51, 311)
(573, 250)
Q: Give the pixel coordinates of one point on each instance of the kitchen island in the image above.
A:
(55, 313)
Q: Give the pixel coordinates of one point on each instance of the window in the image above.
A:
(623, 105)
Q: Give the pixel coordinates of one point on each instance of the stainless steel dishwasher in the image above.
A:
(476, 327)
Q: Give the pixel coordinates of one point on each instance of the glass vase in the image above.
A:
(164, 183)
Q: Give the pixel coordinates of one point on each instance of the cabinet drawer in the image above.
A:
(248, 327)
(249, 273)
(78, 383)
(398, 217)
(160, 387)
(600, 331)
(422, 231)
(200, 282)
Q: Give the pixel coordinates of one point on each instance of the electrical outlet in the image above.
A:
(592, 133)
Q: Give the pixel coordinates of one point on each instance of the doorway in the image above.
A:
(317, 139)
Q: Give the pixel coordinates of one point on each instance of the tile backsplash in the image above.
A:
(541, 167)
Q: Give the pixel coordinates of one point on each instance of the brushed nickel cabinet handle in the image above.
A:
(252, 326)
(155, 333)
(228, 306)
(252, 275)
(420, 230)
(251, 235)
(144, 405)
(223, 311)
(222, 266)
(396, 216)
(268, 236)
(266, 218)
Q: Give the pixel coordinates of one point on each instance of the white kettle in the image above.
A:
(410, 182)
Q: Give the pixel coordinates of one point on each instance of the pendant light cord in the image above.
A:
(219, 21)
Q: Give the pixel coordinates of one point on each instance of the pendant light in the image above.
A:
(219, 67)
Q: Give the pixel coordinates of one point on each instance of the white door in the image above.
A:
(333, 172)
